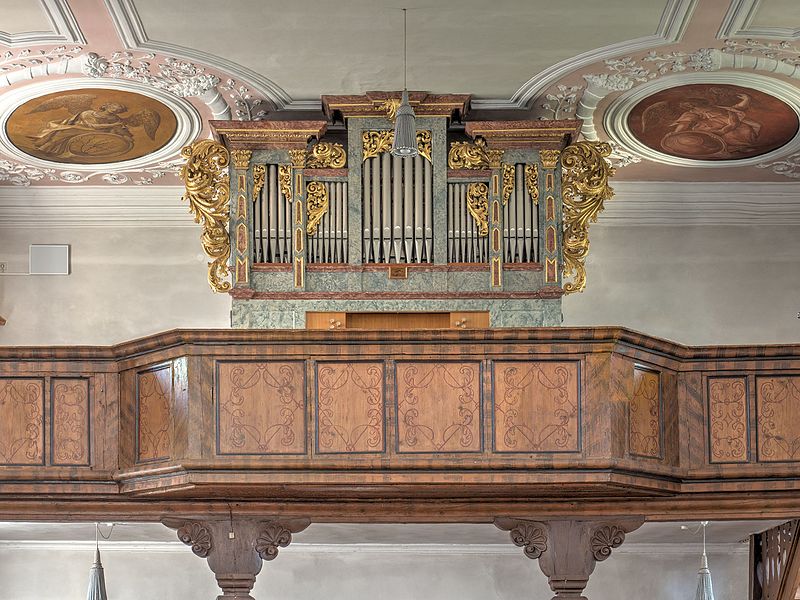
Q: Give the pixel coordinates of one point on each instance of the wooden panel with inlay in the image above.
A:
(21, 421)
(728, 421)
(645, 419)
(537, 407)
(70, 422)
(439, 407)
(154, 398)
(261, 408)
(778, 416)
(349, 407)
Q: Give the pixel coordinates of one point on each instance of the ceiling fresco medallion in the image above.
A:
(712, 122)
(91, 126)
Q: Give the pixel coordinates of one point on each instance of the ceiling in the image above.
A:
(256, 58)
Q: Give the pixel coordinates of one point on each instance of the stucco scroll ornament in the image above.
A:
(205, 176)
(531, 538)
(473, 155)
(585, 173)
(326, 155)
(316, 205)
(196, 536)
(478, 205)
(272, 537)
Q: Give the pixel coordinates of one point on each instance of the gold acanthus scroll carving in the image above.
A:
(584, 188)
(259, 172)
(473, 155)
(509, 177)
(298, 158)
(316, 205)
(378, 142)
(285, 181)
(205, 176)
(549, 158)
(241, 158)
(532, 182)
(326, 155)
(478, 205)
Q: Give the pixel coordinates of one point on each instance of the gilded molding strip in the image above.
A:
(478, 205)
(532, 182)
(316, 205)
(473, 155)
(208, 193)
(259, 172)
(285, 181)
(326, 155)
(509, 176)
(584, 190)
(376, 143)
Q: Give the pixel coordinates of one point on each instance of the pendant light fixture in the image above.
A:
(704, 589)
(97, 580)
(405, 126)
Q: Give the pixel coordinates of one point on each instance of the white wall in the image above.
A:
(696, 285)
(45, 574)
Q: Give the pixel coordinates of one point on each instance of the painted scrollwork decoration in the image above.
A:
(604, 539)
(473, 155)
(478, 206)
(272, 537)
(316, 205)
(208, 191)
(584, 190)
(326, 155)
(531, 538)
(196, 536)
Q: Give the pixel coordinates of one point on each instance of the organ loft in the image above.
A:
(486, 226)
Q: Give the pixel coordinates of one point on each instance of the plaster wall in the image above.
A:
(695, 285)
(297, 574)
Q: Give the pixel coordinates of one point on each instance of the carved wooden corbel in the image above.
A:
(568, 550)
(236, 548)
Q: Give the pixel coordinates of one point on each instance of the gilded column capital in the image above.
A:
(241, 158)
(549, 158)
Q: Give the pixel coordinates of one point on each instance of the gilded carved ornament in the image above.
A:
(390, 107)
(478, 206)
(241, 158)
(298, 158)
(316, 205)
(473, 155)
(259, 172)
(326, 155)
(532, 182)
(584, 183)
(549, 158)
(285, 181)
(205, 176)
(509, 178)
(376, 143)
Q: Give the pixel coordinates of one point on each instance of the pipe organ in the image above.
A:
(490, 217)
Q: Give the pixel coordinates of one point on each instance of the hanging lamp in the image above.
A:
(405, 125)
(704, 589)
(97, 580)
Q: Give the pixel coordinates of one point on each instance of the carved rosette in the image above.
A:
(376, 143)
(285, 181)
(508, 182)
(316, 205)
(478, 205)
(208, 192)
(531, 538)
(584, 190)
(532, 182)
(473, 155)
(272, 537)
(326, 155)
(196, 536)
(604, 539)
(259, 172)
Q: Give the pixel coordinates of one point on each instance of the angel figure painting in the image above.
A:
(91, 126)
(713, 122)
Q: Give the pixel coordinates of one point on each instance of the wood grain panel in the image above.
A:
(778, 414)
(21, 421)
(261, 408)
(154, 395)
(645, 424)
(439, 407)
(350, 415)
(69, 418)
(537, 407)
(727, 419)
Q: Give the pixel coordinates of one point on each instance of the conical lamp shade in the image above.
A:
(97, 581)
(704, 589)
(405, 130)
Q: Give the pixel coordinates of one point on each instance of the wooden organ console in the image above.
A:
(490, 217)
